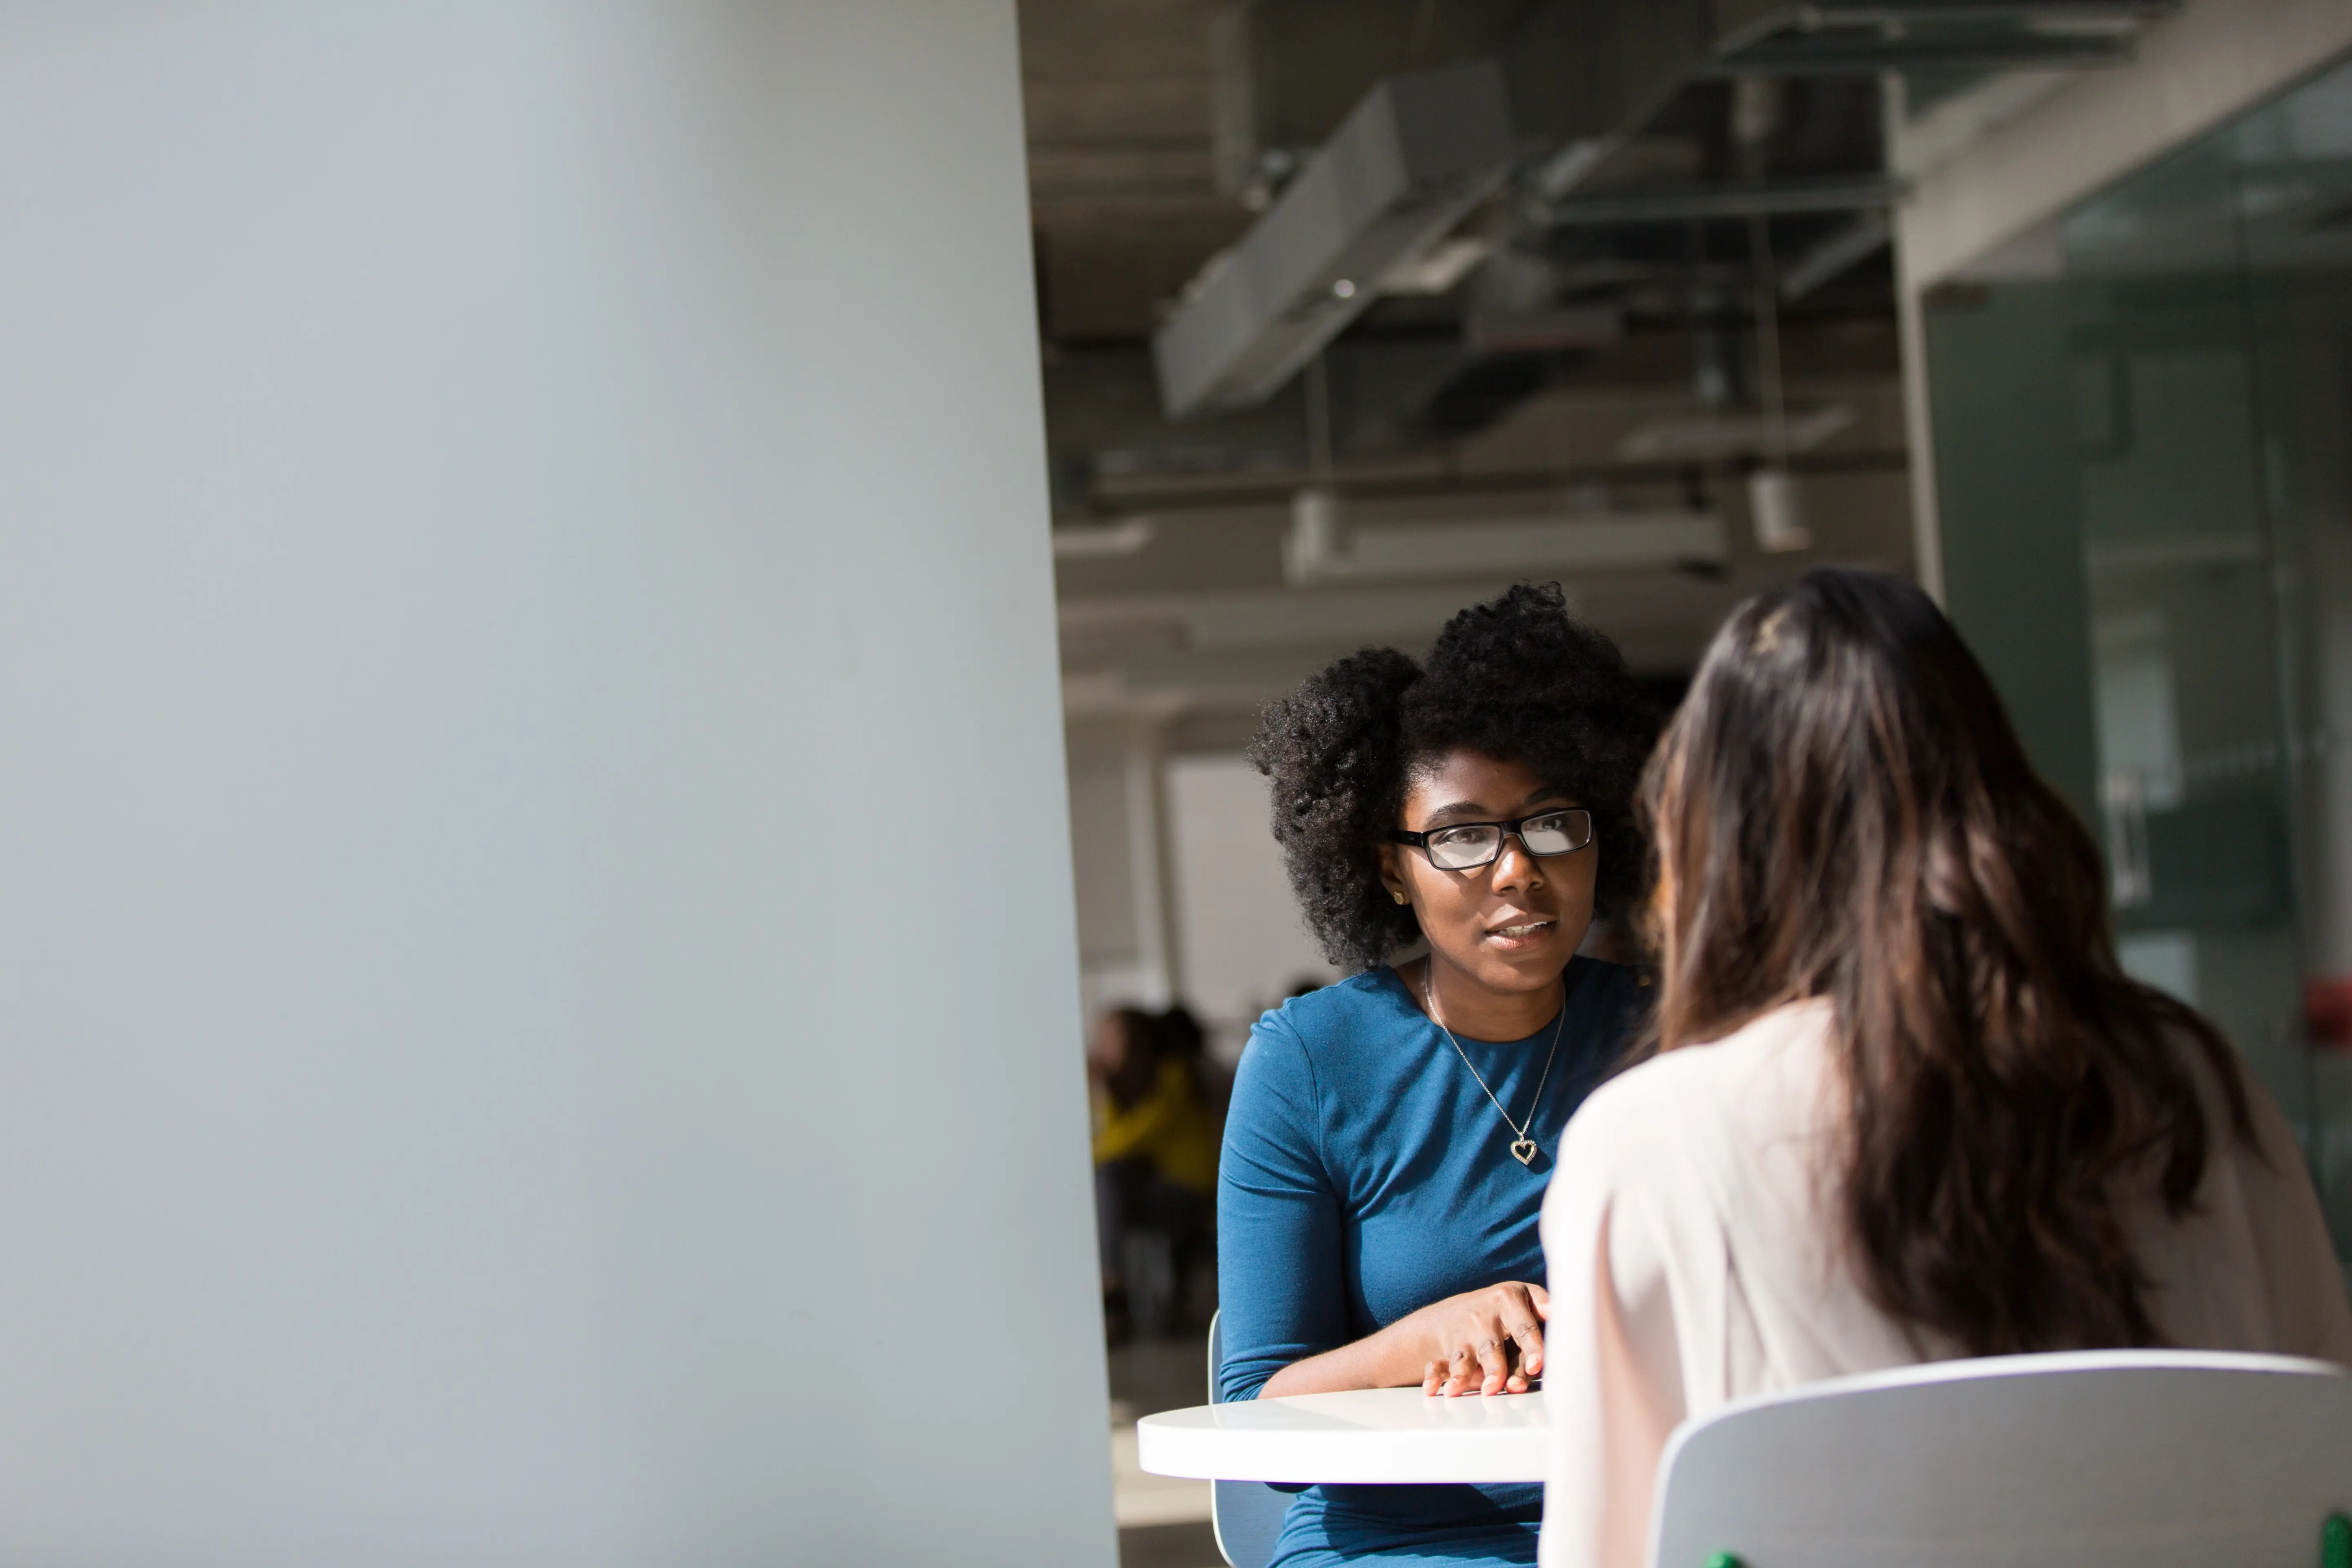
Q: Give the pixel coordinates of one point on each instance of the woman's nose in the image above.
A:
(1514, 866)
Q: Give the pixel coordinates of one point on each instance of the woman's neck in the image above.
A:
(1467, 1007)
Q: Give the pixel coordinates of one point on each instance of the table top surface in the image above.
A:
(1364, 1436)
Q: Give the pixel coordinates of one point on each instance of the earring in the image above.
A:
(1397, 896)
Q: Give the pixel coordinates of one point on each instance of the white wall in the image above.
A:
(509, 516)
(1129, 951)
(1240, 930)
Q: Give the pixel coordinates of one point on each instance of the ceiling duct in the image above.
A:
(1586, 76)
(1414, 156)
(1329, 544)
(1621, 109)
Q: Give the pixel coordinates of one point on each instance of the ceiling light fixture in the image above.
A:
(1323, 546)
(1102, 541)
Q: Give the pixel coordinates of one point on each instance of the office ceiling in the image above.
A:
(1680, 162)
(1122, 191)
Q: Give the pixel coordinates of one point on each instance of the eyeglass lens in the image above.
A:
(1476, 843)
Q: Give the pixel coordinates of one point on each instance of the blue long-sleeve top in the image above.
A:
(1366, 1174)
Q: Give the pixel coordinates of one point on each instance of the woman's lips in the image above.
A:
(1521, 933)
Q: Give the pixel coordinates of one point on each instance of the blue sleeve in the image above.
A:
(1279, 1287)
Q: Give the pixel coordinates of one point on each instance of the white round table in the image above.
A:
(1371, 1434)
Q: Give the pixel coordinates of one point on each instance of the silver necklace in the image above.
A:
(1523, 1148)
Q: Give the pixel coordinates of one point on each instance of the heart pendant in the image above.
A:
(1525, 1148)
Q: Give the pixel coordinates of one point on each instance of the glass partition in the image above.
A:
(2292, 200)
(2142, 427)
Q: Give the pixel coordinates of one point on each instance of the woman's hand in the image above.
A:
(1483, 1341)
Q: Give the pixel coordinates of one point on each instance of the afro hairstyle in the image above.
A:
(1518, 680)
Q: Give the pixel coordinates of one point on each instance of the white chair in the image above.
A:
(2151, 1458)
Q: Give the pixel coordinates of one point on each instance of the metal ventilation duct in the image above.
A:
(1415, 155)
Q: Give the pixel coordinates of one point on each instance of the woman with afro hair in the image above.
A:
(1453, 830)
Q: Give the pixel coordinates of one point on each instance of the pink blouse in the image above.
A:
(1694, 1259)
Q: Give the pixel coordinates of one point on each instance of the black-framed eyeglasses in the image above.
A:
(1466, 845)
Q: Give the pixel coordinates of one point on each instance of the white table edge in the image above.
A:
(1180, 1443)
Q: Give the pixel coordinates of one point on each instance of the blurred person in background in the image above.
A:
(1904, 1105)
(1390, 1135)
(1155, 1145)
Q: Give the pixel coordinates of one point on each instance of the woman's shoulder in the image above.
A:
(1765, 1069)
(1345, 1033)
(1606, 994)
(1312, 1046)
(1587, 975)
(1335, 1014)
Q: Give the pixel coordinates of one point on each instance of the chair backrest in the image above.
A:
(1247, 1515)
(2156, 1459)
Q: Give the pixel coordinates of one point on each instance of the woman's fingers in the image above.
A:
(1528, 1337)
(1486, 1341)
(1494, 1367)
(1463, 1367)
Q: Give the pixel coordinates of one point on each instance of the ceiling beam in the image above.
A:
(1760, 198)
(1830, 54)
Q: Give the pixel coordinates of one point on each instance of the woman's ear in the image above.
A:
(1392, 876)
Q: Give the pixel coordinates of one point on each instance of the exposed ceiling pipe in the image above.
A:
(1836, 253)
(1863, 56)
(1415, 155)
(1879, 13)
(1775, 509)
(1770, 198)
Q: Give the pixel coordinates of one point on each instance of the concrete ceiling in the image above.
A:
(1121, 185)
(1139, 177)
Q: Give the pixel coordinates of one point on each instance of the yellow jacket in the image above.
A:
(1170, 1127)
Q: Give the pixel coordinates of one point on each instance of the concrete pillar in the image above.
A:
(536, 967)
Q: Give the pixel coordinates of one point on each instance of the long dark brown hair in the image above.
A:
(1841, 810)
